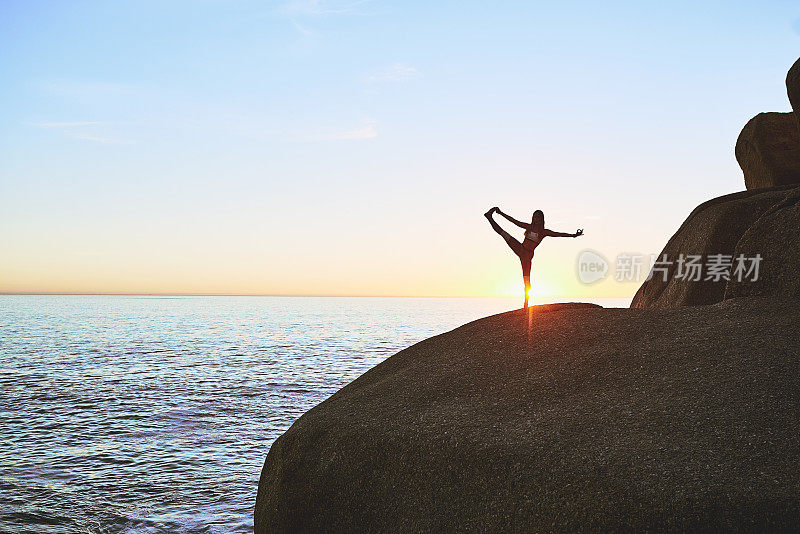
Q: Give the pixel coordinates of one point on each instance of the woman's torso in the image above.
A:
(532, 238)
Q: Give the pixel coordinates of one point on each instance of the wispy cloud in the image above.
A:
(307, 8)
(73, 124)
(95, 139)
(399, 72)
(366, 130)
(89, 89)
(84, 130)
(301, 29)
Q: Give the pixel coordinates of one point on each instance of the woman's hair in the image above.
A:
(540, 213)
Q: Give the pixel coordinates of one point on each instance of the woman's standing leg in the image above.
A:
(526, 275)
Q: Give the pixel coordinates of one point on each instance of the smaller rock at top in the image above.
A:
(768, 150)
(793, 87)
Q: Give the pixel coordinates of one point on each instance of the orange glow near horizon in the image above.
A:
(67, 268)
(463, 258)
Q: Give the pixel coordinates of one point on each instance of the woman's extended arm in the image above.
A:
(513, 220)
(562, 234)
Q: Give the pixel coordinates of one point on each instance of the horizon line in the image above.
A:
(162, 294)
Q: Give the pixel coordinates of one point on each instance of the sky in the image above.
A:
(351, 147)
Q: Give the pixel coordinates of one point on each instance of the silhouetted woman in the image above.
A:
(534, 233)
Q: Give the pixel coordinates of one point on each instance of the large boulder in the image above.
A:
(768, 150)
(749, 223)
(569, 420)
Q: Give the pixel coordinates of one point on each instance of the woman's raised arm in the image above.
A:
(562, 234)
(513, 220)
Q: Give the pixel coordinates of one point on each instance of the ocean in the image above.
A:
(154, 414)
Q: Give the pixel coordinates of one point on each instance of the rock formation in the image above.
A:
(768, 150)
(761, 222)
(579, 419)
(793, 86)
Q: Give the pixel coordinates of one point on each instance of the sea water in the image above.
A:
(155, 414)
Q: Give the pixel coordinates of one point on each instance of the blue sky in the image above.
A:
(351, 147)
